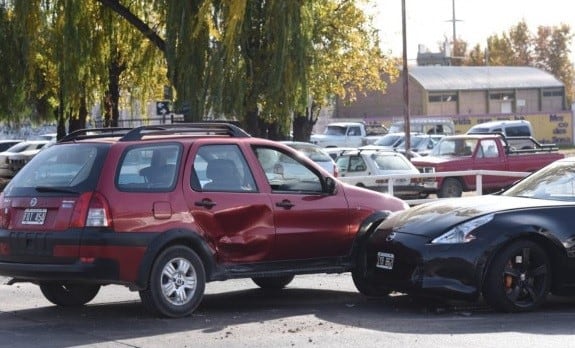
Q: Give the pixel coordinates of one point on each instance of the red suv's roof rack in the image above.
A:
(208, 128)
(89, 133)
(131, 134)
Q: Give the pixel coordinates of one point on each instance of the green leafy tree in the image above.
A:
(344, 60)
(476, 56)
(261, 62)
(548, 50)
(521, 43)
(551, 47)
(14, 97)
(499, 50)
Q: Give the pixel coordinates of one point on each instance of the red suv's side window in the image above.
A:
(285, 173)
(222, 167)
(149, 168)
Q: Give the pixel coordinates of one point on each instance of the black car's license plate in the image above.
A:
(34, 216)
(385, 260)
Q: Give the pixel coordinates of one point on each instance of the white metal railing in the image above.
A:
(392, 177)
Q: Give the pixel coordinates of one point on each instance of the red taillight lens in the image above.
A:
(335, 170)
(91, 210)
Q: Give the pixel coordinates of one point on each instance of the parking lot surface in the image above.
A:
(314, 311)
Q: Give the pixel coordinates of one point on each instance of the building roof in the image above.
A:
(448, 78)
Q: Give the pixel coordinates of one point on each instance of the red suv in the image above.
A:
(165, 209)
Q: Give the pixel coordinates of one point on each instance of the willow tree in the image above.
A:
(14, 96)
(29, 74)
(293, 58)
(257, 69)
(262, 62)
(187, 52)
(134, 67)
(345, 59)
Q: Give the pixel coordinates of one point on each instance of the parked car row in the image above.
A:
(364, 168)
(163, 215)
(16, 156)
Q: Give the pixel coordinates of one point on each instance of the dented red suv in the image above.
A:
(165, 209)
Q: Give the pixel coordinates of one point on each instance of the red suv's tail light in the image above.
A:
(91, 210)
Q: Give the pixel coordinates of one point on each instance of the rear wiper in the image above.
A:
(55, 189)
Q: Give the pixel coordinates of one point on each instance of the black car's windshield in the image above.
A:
(555, 182)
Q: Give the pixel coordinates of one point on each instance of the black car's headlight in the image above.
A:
(462, 233)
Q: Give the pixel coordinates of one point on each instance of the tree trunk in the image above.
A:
(251, 123)
(302, 127)
(107, 103)
(115, 70)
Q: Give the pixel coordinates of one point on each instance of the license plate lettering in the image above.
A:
(385, 260)
(34, 217)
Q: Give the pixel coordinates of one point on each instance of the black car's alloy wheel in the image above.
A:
(177, 283)
(519, 278)
(273, 283)
(69, 294)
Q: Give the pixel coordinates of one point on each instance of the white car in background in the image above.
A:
(365, 168)
(315, 153)
(15, 157)
(334, 152)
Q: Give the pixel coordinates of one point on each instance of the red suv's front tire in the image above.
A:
(177, 283)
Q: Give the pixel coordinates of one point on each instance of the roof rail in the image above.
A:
(91, 133)
(210, 128)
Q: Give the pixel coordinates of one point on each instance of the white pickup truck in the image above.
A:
(341, 134)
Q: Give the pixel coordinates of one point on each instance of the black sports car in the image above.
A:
(512, 248)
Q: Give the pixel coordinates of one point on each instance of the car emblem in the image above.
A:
(390, 237)
(33, 202)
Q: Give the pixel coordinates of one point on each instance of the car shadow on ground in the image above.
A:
(220, 314)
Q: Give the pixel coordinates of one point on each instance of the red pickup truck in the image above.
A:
(481, 151)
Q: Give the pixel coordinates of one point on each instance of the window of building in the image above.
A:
(553, 93)
(501, 96)
(442, 98)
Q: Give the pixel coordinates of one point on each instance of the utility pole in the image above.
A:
(453, 21)
(406, 118)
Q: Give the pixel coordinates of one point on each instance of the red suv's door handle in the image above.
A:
(205, 203)
(285, 204)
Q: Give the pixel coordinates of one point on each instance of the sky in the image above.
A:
(429, 22)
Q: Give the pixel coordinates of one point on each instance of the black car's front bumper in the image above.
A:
(410, 264)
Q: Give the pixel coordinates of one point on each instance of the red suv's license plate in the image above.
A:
(34, 216)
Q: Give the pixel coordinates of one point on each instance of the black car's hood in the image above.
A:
(432, 218)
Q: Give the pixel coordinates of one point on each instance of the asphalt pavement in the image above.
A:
(314, 311)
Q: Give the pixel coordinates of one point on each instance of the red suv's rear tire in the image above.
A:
(177, 283)
(67, 294)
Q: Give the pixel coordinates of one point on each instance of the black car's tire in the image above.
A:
(519, 278)
(69, 294)
(273, 283)
(177, 283)
(362, 279)
(451, 187)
